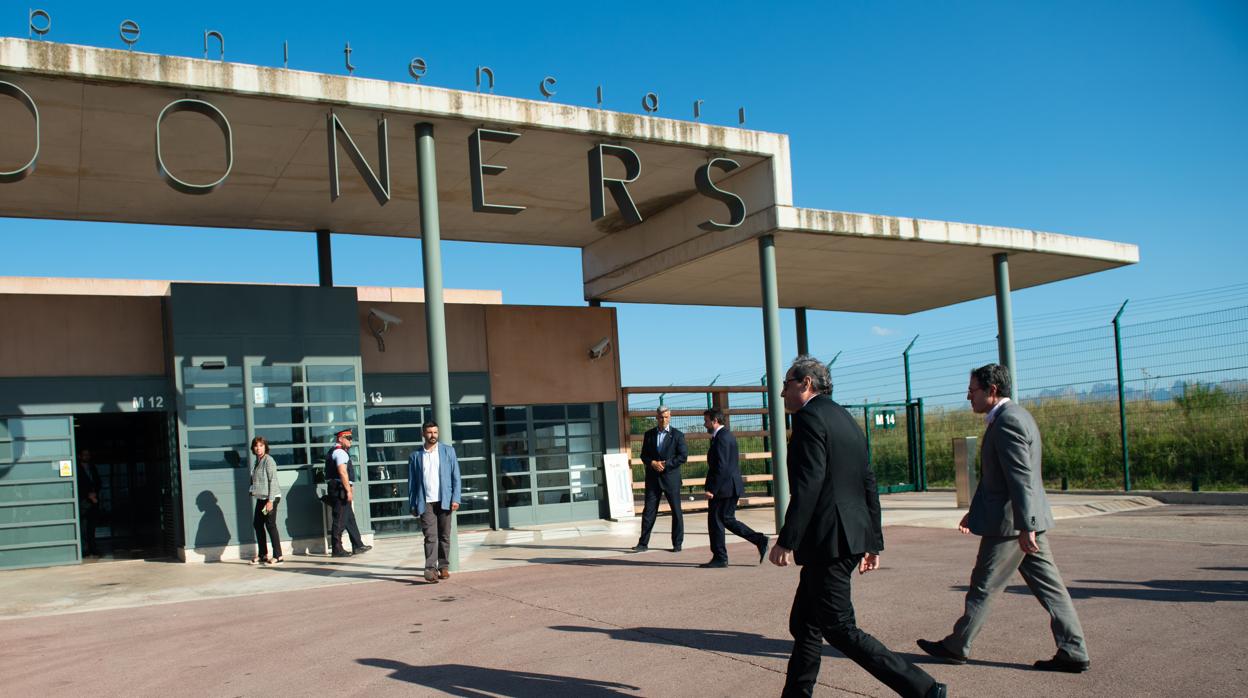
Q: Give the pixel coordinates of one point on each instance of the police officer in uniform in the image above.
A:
(339, 478)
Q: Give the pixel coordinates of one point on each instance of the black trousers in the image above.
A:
(261, 523)
(90, 518)
(667, 485)
(344, 518)
(722, 514)
(823, 609)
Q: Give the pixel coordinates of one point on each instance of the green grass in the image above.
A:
(1202, 434)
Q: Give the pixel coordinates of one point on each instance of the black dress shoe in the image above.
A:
(762, 550)
(675, 548)
(938, 690)
(714, 564)
(939, 651)
(1063, 662)
(361, 550)
(341, 553)
(639, 548)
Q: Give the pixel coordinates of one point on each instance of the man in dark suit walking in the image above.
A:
(663, 451)
(831, 528)
(1011, 514)
(724, 487)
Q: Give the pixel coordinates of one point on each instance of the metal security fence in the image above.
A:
(1160, 404)
(1186, 397)
(1155, 404)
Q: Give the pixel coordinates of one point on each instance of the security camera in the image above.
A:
(600, 349)
(386, 320)
(385, 317)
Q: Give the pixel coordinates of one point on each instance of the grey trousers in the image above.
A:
(435, 523)
(998, 558)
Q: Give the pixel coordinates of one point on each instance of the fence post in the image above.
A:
(834, 358)
(708, 393)
(766, 439)
(912, 451)
(866, 425)
(922, 448)
(1122, 400)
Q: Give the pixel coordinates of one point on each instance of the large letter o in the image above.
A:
(20, 95)
(206, 109)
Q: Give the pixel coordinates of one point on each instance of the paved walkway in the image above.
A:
(109, 584)
(1161, 592)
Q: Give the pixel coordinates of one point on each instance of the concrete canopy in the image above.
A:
(853, 262)
(99, 107)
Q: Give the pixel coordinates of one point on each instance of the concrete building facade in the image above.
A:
(164, 385)
(663, 211)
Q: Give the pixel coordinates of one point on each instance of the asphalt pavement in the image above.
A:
(1161, 592)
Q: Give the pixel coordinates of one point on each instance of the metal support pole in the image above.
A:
(324, 258)
(435, 310)
(1122, 400)
(1005, 319)
(595, 303)
(775, 374)
(912, 449)
(803, 340)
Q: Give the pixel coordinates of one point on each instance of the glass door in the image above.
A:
(549, 463)
(297, 408)
(394, 432)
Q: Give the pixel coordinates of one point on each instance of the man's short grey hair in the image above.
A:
(662, 409)
(807, 366)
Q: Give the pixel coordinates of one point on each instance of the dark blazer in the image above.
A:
(834, 507)
(1010, 496)
(723, 468)
(674, 452)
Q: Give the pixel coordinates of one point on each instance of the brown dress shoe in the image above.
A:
(431, 576)
(444, 573)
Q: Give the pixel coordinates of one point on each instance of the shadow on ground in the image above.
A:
(461, 680)
(598, 562)
(353, 570)
(722, 641)
(1164, 590)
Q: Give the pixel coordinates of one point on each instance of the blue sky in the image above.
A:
(1122, 121)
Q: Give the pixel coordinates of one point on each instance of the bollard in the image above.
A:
(965, 472)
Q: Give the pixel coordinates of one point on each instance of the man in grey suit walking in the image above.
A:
(1011, 514)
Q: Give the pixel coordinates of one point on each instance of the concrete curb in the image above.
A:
(1109, 506)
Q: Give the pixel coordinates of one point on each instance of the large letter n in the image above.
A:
(338, 135)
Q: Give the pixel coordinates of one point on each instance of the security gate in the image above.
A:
(895, 449)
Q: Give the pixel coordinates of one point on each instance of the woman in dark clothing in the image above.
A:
(267, 493)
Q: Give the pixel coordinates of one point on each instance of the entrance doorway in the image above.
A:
(129, 453)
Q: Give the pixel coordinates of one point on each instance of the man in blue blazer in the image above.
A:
(433, 487)
(663, 451)
(724, 487)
